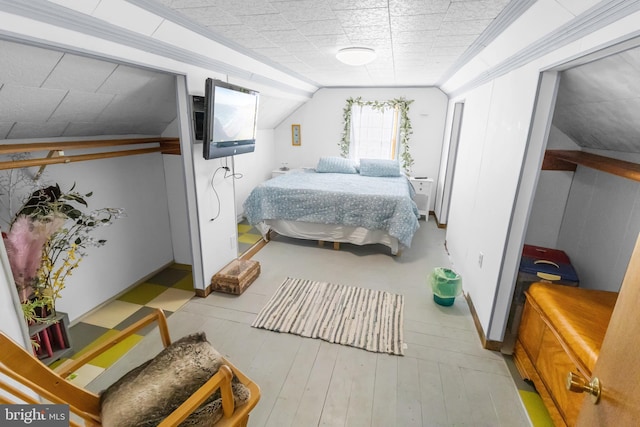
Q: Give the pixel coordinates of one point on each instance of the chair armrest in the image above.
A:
(66, 369)
(221, 380)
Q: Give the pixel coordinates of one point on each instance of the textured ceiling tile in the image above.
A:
(417, 7)
(420, 48)
(5, 127)
(247, 7)
(27, 130)
(283, 36)
(632, 57)
(416, 22)
(31, 104)
(81, 106)
(363, 17)
(413, 36)
(475, 27)
(471, 10)
(26, 65)
(356, 4)
(332, 40)
(320, 28)
(65, 75)
(299, 47)
(126, 80)
(306, 10)
(269, 22)
(359, 33)
(249, 38)
(114, 128)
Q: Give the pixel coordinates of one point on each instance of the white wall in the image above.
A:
(254, 167)
(177, 205)
(551, 197)
(600, 227)
(493, 138)
(321, 123)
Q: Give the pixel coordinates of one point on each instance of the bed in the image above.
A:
(336, 207)
(561, 331)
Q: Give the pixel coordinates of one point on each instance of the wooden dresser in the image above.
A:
(561, 331)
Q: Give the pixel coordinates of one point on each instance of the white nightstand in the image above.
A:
(423, 187)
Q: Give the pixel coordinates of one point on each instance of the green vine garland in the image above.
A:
(405, 125)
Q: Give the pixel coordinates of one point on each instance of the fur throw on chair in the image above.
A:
(147, 394)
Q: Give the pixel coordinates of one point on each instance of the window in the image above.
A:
(378, 130)
(374, 132)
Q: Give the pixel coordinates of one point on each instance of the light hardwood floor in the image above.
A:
(445, 378)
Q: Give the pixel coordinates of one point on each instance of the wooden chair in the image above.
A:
(22, 366)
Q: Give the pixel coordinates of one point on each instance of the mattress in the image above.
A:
(382, 204)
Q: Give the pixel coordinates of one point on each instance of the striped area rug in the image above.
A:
(357, 317)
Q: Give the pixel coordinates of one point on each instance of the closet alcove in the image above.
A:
(104, 128)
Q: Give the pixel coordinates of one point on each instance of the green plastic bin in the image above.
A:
(446, 285)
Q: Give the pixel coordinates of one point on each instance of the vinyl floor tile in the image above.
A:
(535, 408)
(244, 228)
(83, 334)
(249, 238)
(185, 284)
(137, 316)
(171, 299)
(110, 356)
(111, 314)
(169, 276)
(142, 293)
(85, 374)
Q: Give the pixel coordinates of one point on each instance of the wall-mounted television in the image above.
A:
(230, 119)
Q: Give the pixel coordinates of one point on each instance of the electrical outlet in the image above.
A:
(480, 259)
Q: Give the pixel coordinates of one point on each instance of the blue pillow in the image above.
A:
(379, 167)
(336, 165)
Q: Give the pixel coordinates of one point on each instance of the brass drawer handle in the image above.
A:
(578, 384)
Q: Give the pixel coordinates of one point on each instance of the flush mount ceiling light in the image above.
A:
(356, 55)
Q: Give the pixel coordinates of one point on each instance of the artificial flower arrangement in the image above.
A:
(46, 241)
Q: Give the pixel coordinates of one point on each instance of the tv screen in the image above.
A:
(230, 118)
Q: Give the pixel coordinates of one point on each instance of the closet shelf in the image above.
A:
(56, 150)
(568, 160)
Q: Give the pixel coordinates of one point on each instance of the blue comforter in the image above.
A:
(375, 203)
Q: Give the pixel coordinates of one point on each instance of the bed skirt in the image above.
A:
(329, 233)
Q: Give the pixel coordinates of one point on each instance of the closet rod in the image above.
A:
(70, 145)
(82, 157)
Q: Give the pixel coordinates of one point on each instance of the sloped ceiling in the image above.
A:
(46, 93)
(598, 104)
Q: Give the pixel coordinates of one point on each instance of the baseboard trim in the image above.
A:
(437, 221)
(487, 344)
(203, 293)
(254, 249)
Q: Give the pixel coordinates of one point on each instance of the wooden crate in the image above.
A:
(236, 276)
